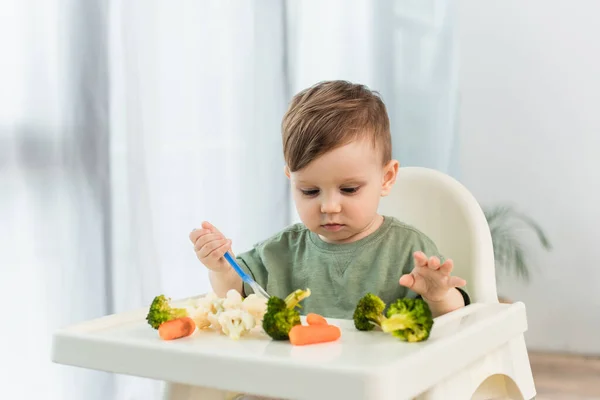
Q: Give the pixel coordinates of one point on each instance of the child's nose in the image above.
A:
(331, 205)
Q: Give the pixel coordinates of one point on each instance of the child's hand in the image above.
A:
(210, 245)
(430, 279)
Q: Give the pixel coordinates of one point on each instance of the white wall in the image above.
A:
(530, 132)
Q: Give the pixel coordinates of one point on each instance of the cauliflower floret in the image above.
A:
(217, 305)
(204, 311)
(232, 300)
(236, 322)
(256, 306)
(232, 315)
(208, 297)
(201, 319)
(214, 320)
(199, 314)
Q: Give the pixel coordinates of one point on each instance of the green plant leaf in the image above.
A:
(544, 241)
(510, 255)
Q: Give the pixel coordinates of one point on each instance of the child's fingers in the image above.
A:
(206, 239)
(197, 233)
(221, 250)
(455, 281)
(434, 263)
(207, 249)
(420, 259)
(447, 266)
(407, 280)
(207, 225)
(414, 283)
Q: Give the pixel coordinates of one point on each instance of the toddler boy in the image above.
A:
(337, 151)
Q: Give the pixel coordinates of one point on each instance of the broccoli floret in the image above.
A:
(369, 312)
(161, 311)
(409, 320)
(278, 324)
(282, 315)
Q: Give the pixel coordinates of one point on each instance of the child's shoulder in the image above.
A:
(289, 235)
(402, 230)
(397, 244)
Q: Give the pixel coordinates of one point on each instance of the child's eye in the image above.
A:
(310, 192)
(350, 190)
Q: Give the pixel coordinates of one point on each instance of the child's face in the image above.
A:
(337, 194)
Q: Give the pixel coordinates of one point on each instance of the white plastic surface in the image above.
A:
(442, 208)
(361, 365)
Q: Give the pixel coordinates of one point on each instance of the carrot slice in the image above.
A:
(176, 328)
(315, 319)
(311, 334)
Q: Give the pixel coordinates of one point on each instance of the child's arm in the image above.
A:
(222, 282)
(453, 301)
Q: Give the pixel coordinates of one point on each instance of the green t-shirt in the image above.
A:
(338, 275)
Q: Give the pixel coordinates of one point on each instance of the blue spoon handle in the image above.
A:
(245, 277)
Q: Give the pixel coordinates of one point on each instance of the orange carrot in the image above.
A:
(176, 328)
(315, 319)
(311, 334)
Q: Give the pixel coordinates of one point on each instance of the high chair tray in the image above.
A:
(360, 365)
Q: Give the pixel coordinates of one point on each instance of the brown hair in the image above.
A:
(332, 114)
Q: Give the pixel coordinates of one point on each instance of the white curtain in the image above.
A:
(405, 49)
(124, 124)
(52, 166)
(197, 100)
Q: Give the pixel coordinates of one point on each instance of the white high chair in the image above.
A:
(447, 212)
(477, 352)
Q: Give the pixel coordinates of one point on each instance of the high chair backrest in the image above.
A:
(443, 209)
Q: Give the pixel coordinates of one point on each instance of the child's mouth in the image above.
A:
(333, 227)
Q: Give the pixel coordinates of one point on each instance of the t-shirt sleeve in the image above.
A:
(428, 247)
(251, 263)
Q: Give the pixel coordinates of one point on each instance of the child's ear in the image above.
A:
(286, 171)
(390, 171)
